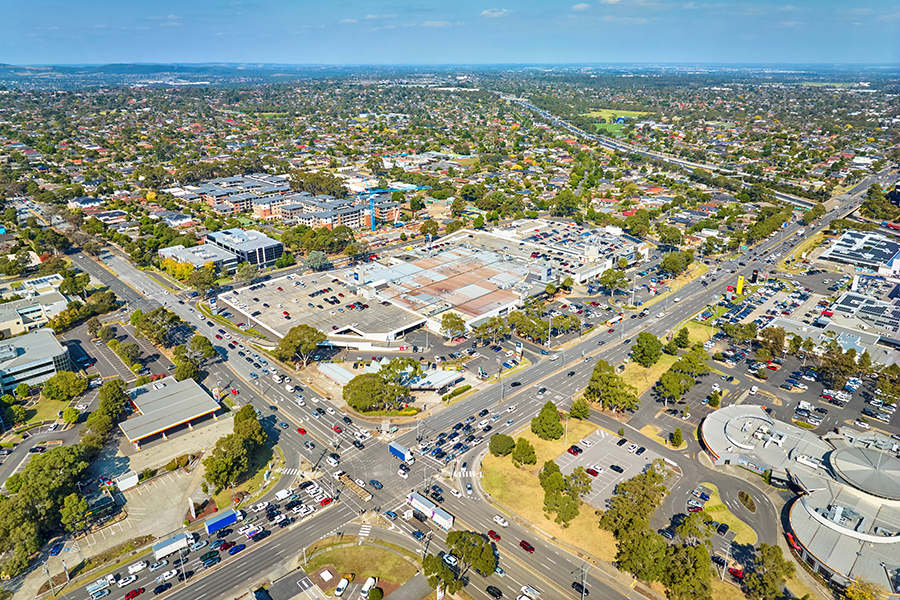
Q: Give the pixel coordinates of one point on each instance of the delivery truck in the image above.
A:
(401, 453)
(102, 583)
(221, 520)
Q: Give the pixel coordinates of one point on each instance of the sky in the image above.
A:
(450, 32)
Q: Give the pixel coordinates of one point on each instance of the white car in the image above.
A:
(585, 443)
(126, 580)
(81, 406)
(753, 390)
(801, 386)
(245, 529)
(660, 315)
(597, 468)
(367, 587)
(329, 410)
(360, 483)
(341, 587)
(260, 506)
(455, 493)
(451, 560)
(169, 574)
(632, 448)
(511, 408)
(501, 521)
(861, 424)
(554, 356)
(402, 474)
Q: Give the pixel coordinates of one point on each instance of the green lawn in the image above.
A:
(610, 114)
(45, 410)
(641, 378)
(364, 562)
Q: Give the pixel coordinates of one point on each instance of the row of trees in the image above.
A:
(608, 389)
(44, 497)
(98, 303)
(230, 460)
(683, 374)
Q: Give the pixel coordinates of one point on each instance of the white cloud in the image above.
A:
(626, 20)
(789, 23)
(166, 18)
(495, 12)
(348, 20)
(370, 17)
(689, 6)
(890, 17)
(609, 1)
(436, 24)
(581, 6)
(787, 8)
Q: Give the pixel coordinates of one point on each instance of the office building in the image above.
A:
(32, 359)
(248, 246)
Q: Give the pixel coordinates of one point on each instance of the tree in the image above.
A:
(286, 260)
(580, 409)
(187, 370)
(93, 326)
(473, 550)
(550, 289)
(564, 204)
(429, 227)
(695, 530)
(646, 350)
(317, 261)
(642, 553)
(675, 263)
(610, 390)
(546, 424)
(129, 352)
(689, 572)
(458, 206)
(452, 325)
(524, 453)
(773, 338)
(71, 415)
(863, 589)
(682, 338)
(376, 594)
(302, 340)
(492, 331)
(675, 439)
(245, 273)
(202, 279)
(501, 444)
(364, 392)
(107, 332)
(613, 280)
(864, 363)
(23, 391)
(65, 385)
(227, 462)
(73, 511)
(111, 398)
(440, 574)
(768, 573)
(578, 483)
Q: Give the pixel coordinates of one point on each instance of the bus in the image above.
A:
(615, 319)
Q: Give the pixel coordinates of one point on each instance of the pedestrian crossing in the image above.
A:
(364, 531)
(291, 471)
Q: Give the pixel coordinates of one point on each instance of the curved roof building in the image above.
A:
(845, 521)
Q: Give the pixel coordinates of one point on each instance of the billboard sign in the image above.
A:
(518, 350)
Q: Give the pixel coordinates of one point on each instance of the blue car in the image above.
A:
(237, 549)
(254, 376)
(418, 534)
(375, 484)
(55, 550)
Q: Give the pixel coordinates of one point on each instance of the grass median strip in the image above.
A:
(743, 533)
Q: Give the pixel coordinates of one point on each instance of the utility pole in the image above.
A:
(49, 579)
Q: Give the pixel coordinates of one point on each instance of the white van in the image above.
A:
(501, 521)
(137, 567)
(289, 388)
(531, 591)
(331, 461)
(282, 494)
(277, 378)
(367, 587)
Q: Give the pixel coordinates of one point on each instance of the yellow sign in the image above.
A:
(740, 285)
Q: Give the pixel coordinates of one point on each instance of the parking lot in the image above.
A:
(604, 453)
(318, 301)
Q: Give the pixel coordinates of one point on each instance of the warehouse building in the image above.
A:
(874, 251)
(200, 256)
(162, 405)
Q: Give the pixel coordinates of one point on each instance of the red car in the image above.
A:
(695, 509)
(301, 431)
(572, 451)
(591, 472)
(218, 337)
(739, 574)
(325, 502)
(285, 313)
(526, 547)
(494, 535)
(227, 546)
(134, 593)
(234, 391)
(337, 429)
(610, 330)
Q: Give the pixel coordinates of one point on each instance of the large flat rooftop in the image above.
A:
(164, 404)
(299, 296)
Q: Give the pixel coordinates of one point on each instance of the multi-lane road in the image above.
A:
(550, 565)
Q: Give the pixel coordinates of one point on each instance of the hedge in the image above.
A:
(456, 392)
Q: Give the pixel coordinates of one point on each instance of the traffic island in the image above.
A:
(715, 508)
(357, 563)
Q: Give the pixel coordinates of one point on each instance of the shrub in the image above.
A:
(501, 445)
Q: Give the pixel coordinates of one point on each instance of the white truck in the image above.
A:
(102, 583)
(137, 567)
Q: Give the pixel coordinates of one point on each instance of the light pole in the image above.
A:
(65, 570)
(49, 579)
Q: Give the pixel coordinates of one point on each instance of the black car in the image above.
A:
(617, 468)
(493, 592)
(580, 589)
(622, 442)
(358, 444)
(570, 373)
(437, 497)
(261, 535)
(722, 529)
(185, 575)
(483, 413)
(640, 450)
(458, 426)
(224, 533)
(437, 488)
(516, 383)
(161, 588)
(486, 428)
